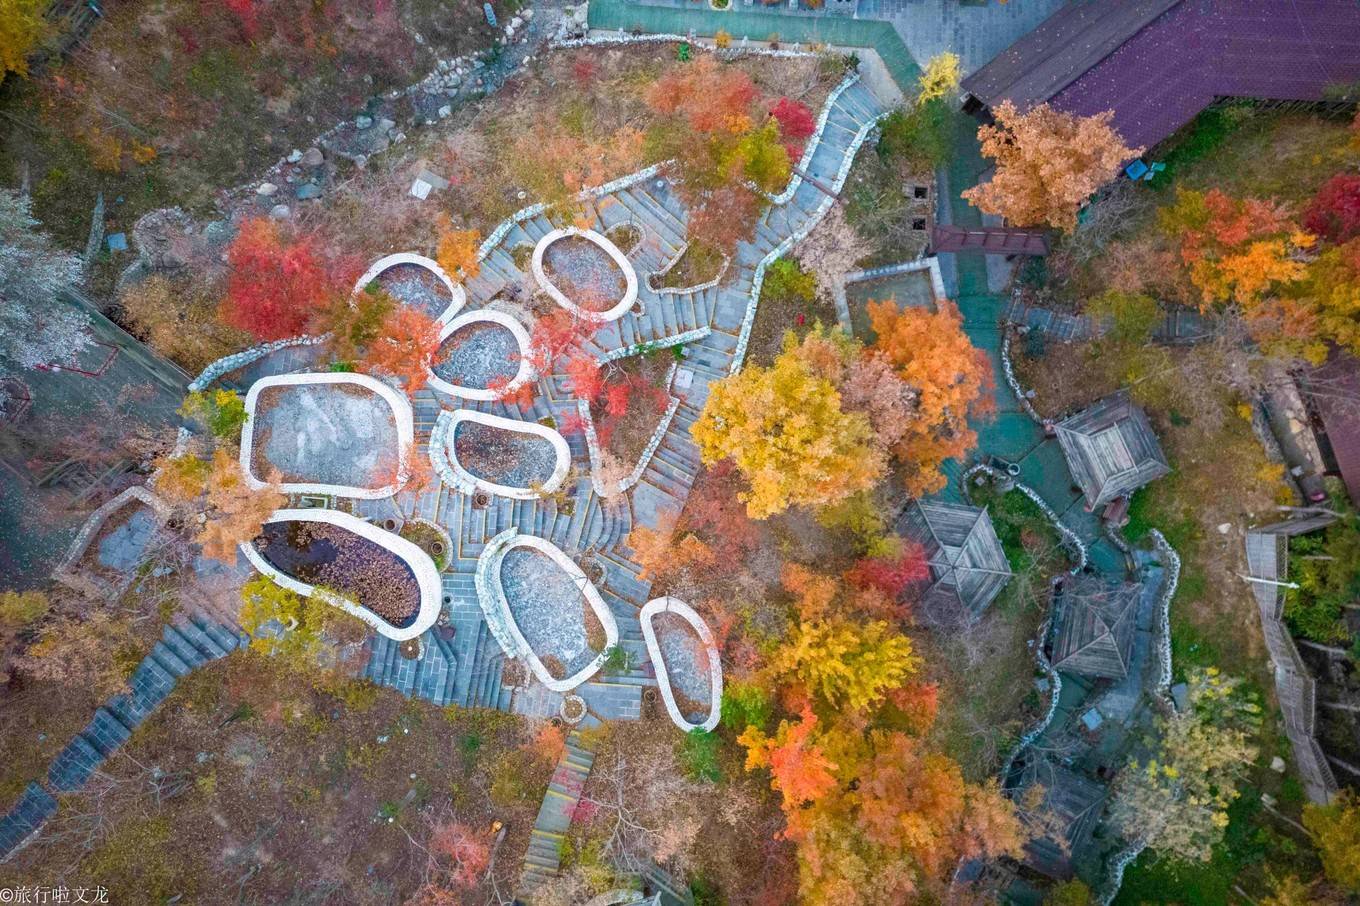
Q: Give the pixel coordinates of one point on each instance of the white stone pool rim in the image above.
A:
(648, 614)
(445, 458)
(503, 616)
(457, 295)
(401, 412)
(422, 567)
(629, 274)
(524, 375)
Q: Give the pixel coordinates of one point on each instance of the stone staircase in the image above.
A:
(181, 649)
(467, 669)
(544, 854)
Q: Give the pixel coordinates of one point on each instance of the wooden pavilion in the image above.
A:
(1111, 450)
(968, 566)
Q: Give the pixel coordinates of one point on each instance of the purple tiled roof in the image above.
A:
(1166, 70)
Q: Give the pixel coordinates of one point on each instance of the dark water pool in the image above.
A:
(335, 558)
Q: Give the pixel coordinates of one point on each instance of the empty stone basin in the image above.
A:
(416, 281)
(381, 578)
(341, 434)
(688, 666)
(501, 456)
(483, 354)
(585, 273)
(558, 620)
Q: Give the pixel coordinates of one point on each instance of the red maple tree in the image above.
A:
(795, 119)
(274, 287)
(1334, 213)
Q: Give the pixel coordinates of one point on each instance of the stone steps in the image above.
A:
(543, 856)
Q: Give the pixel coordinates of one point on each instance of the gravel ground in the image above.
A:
(511, 458)
(415, 286)
(584, 273)
(325, 434)
(686, 661)
(475, 355)
(547, 606)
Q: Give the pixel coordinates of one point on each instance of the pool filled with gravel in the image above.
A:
(335, 434)
(584, 273)
(552, 613)
(687, 664)
(477, 354)
(415, 286)
(515, 459)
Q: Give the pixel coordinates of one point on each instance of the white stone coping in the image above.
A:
(524, 375)
(715, 678)
(240, 359)
(401, 410)
(685, 290)
(624, 265)
(65, 571)
(422, 567)
(445, 459)
(929, 264)
(815, 141)
(457, 295)
(500, 616)
(653, 442)
(748, 322)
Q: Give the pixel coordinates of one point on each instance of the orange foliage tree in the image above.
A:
(235, 511)
(405, 347)
(876, 816)
(1047, 164)
(952, 379)
(1249, 253)
(457, 250)
(711, 127)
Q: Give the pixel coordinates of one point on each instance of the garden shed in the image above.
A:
(968, 566)
(1095, 621)
(1111, 450)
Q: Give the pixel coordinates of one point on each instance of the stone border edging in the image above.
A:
(1008, 371)
(422, 567)
(227, 363)
(644, 459)
(1077, 545)
(646, 616)
(451, 472)
(458, 295)
(498, 235)
(621, 37)
(678, 339)
(401, 411)
(501, 619)
(524, 375)
(748, 321)
(1055, 692)
(686, 290)
(929, 263)
(815, 142)
(64, 572)
(630, 292)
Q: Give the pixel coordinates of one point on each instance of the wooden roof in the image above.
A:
(1064, 46)
(968, 566)
(1111, 449)
(1334, 389)
(1157, 63)
(1094, 625)
(1064, 819)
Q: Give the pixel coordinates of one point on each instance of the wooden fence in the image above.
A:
(1268, 562)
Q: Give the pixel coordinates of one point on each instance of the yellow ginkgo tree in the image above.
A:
(786, 431)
